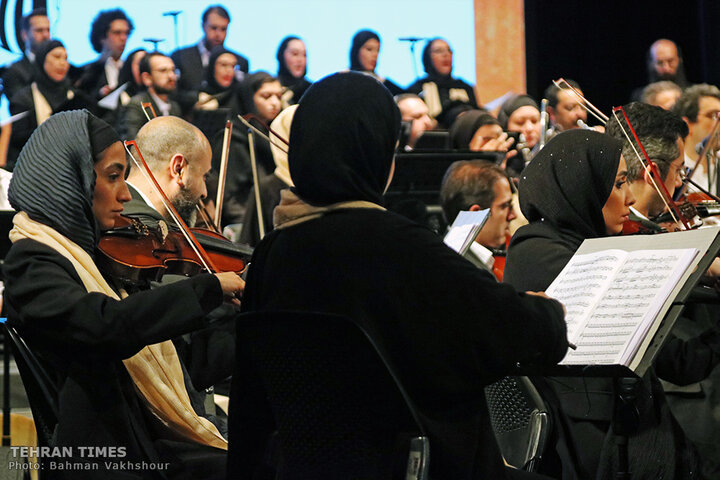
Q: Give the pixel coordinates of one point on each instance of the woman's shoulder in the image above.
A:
(29, 254)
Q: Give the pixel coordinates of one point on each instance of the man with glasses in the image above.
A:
(699, 105)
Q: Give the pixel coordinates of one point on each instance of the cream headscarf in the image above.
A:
(54, 180)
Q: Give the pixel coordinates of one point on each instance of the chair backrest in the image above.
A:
(519, 419)
(338, 410)
(41, 390)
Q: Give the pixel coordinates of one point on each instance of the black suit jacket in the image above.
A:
(18, 75)
(191, 68)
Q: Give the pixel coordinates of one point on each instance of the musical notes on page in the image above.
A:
(612, 298)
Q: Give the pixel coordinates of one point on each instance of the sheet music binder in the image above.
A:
(706, 240)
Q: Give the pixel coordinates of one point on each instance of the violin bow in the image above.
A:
(252, 131)
(651, 168)
(258, 132)
(147, 106)
(562, 84)
(223, 174)
(184, 229)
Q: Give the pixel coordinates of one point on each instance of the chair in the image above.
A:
(519, 419)
(41, 390)
(339, 410)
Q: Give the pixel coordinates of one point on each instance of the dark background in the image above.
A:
(603, 44)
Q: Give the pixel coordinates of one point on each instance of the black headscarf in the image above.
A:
(463, 129)
(126, 74)
(54, 92)
(342, 140)
(427, 60)
(358, 41)
(210, 84)
(286, 78)
(569, 181)
(512, 104)
(54, 178)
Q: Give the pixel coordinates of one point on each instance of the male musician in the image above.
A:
(476, 185)
(35, 29)
(193, 60)
(178, 156)
(564, 107)
(157, 72)
(661, 133)
(664, 62)
(109, 34)
(698, 106)
(414, 111)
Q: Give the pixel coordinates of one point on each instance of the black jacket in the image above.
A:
(82, 339)
(446, 327)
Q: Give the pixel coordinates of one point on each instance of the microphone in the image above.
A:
(172, 14)
(412, 39)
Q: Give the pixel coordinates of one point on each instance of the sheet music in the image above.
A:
(465, 228)
(612, 298)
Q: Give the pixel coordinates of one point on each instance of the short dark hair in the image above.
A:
(688, 105)
(658, 131)
(101, 25)
(652, 90)
(38, 12)
(551, 92)
(145, 61)
(217, 10)
(467, 183)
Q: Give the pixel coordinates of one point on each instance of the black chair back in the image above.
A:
(338, 410)
(39, 386)
(520, 421)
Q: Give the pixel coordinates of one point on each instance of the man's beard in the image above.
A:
(185, 204)
(164, 91)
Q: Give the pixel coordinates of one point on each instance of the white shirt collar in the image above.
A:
(142, 194)
(162, 105)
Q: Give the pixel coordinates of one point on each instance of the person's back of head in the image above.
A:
(162, 137)
(467, 183)
(658, 130)
(342, 139)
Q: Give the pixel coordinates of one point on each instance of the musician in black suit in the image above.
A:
(109, 34)
(35, 29)
(192, 60)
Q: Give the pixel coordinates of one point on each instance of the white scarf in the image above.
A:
(156, 369)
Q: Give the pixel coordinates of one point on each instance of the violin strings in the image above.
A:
(645, 166)
(167, 207)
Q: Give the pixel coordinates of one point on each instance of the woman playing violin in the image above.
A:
(120, 382)
(576, 188)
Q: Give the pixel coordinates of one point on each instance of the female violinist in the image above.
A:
(120, 382)
(576, 188)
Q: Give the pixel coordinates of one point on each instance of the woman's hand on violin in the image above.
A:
(232, 285)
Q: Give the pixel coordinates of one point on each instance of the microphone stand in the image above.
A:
(174, 14)
(413, 42)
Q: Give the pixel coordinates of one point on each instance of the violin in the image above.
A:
(136, 252)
